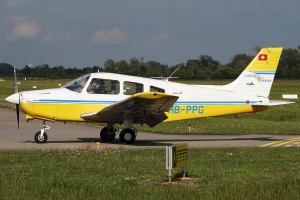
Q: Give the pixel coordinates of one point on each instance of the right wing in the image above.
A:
(146, 107)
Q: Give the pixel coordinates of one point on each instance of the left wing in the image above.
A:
(146, 107)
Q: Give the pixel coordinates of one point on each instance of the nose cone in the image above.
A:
(14, 98)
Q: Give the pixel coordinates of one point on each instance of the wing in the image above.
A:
(146, 107)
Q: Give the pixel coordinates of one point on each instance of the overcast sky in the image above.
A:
(87, 32)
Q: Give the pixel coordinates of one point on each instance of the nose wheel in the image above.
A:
(41, 136)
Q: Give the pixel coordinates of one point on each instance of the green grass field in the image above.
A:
(248, 173)
(277, 120)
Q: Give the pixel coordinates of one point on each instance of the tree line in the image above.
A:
(203, 67)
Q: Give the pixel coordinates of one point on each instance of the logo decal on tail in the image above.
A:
(263, 57)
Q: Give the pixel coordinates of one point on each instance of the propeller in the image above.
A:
(16, 91)
(18, 115)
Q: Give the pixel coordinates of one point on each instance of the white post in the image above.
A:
(169, 162)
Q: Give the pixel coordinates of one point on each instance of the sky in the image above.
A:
(80, 33)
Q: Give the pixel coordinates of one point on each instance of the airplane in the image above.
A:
(122, 99)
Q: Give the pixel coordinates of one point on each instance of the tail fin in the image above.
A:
(257, 78)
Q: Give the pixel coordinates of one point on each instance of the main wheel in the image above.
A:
(107, 134)
(127, 136)
(40, 139)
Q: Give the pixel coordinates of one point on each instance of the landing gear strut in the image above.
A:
(41, 136)
(108, 134)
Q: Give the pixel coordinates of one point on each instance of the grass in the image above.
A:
(276, 120)
(248, 173)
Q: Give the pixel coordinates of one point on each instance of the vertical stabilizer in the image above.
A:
(257, 78)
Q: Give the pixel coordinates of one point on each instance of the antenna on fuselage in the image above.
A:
(168, 77)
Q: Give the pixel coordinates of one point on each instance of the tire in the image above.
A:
(127, 136)
(107, 134)
(40, 140)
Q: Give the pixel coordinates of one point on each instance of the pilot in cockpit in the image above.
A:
(96, 87)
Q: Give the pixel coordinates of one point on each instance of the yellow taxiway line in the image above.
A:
(283, 142)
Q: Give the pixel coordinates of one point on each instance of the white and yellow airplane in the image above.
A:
(120, 99)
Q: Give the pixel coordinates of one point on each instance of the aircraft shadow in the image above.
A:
(165, 142)
(162, 142)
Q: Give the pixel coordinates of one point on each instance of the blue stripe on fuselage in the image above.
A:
(111, 102)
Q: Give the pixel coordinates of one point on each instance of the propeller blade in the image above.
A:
(18, 115)
(16, 91)
(15, 80)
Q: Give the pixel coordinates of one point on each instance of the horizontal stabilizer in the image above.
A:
(272, 103)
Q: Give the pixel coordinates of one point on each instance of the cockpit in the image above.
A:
(108, 86)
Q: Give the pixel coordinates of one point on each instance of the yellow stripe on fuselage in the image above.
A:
(180, 112)
(72, 111)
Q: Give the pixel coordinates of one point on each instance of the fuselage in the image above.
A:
(68, 103)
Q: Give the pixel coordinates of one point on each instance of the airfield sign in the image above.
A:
(176, 156)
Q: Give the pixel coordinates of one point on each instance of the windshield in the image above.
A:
(78, 84)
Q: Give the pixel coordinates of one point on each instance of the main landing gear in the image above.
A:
(108, 133)
(126, 136)
(41, 136)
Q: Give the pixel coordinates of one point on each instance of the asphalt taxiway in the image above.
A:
(80, 136)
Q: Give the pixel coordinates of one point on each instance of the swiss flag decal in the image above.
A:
(263, 57)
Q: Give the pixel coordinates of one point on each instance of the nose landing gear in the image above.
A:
(41, 136)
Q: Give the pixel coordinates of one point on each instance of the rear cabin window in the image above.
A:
(103, 86)
(130, 88)
(156, 89)
(78, 84)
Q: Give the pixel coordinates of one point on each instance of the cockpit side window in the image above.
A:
(78, 84)
(130, 88)
(103, 86)
(156, 89)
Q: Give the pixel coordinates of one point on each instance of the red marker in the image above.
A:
(263, 57)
